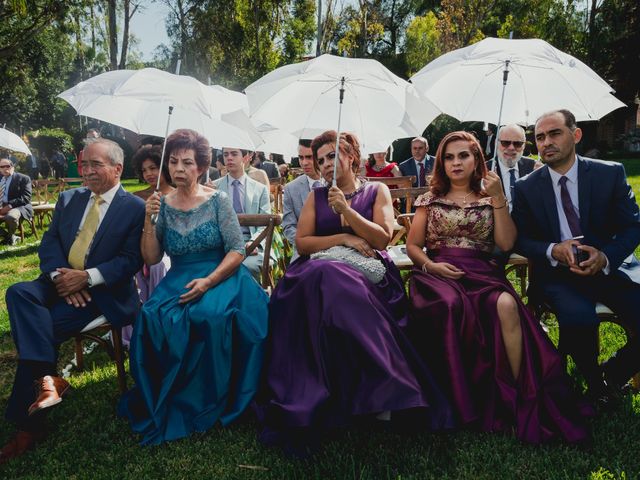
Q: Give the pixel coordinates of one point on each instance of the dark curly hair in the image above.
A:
(440, 183)
(348, 144)
(153, 153)
(185, 139)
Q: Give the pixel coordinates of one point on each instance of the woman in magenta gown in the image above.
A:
(490, 353)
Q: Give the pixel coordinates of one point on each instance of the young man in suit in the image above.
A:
(420, 164)
(247, 196)
(297, 191)
(579, 224)
(88, 258)
(15, 199)
(511, 164)
(269, 167)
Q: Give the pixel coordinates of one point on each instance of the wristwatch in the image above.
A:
(89, 280)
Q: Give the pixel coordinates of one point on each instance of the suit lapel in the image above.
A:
(584, 193)
(304, 191)
(549, 199)
(80, 201)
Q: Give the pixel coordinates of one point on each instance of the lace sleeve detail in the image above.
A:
(424, 200)
(228, 225)
(160, 224)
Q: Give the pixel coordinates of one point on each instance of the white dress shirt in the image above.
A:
(506, 180)
(572, 187)
(312, 181)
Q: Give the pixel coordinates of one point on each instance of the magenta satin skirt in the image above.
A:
(455, 326)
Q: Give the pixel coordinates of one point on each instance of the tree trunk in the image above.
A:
(125, 36)
(182, 18)
(113, 35)
(256, 21)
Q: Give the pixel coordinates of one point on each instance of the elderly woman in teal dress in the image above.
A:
(197, 345)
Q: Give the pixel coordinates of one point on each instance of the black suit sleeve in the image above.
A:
(23, 196)
(626, 220)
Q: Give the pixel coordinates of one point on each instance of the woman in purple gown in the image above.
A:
(501, 370)
(336, 347)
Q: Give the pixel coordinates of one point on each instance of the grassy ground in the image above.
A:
(88, 441)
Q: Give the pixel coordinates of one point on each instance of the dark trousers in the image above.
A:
(40, 320)
(573, 299)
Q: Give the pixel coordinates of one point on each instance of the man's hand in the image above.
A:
(4, 210)
(78, 299)
(70, 281)
(563, 252)
(592, 265)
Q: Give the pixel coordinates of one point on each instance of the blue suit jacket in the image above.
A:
(408, 167)
(609, 217)
(115, 250)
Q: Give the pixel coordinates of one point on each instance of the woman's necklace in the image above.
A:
(464, 198)
(349, 196)
(378, 168)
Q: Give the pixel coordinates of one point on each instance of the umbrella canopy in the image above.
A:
(139, 101)
(467, 83)
(303, 99)
(13, 142)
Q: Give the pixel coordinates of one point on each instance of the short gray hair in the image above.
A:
(422, 140)
(114, 151)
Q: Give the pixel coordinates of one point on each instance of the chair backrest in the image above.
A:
(408, 195)
(71, 182)
(277, 191)
(278, 181)
(269, 222)
(46, 191)
(405, 220)
(395, 182)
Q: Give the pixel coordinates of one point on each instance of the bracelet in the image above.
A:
(148, 232)
(506, 202)
(424, 267)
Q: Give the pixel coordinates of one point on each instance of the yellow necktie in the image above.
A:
(81, 244)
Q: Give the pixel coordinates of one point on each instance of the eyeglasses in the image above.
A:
(516, 144)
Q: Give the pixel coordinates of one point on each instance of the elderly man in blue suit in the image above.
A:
(297, 191)
(579, 224)
(420, 164)
(88, 258)
(247, 196)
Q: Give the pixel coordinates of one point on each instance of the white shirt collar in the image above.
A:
(242, 179)
(107, 197)
(312, 181)
(504, 170)
(572, 174)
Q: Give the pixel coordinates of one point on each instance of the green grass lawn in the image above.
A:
(88, 441)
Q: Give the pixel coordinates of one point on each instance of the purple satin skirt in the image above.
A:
(336, 350)
(455, 326)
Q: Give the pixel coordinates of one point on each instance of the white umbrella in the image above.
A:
(470, 83)
(13, 142)
(277, 141)
(139, 100)
(303, 99)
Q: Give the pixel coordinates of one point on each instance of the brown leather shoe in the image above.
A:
(50, 391)
(22, 442)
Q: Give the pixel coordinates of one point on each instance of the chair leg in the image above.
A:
(79, 354)
(116, 336)
(34, 231)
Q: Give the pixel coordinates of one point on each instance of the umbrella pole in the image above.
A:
(505, 77)
(337, 157)
(154, 217)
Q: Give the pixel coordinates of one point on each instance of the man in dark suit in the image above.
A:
(420, 164)
(578, 223)
(15, 199)
(489, 147)
(511, 164)
(262, 163)
(88, 258)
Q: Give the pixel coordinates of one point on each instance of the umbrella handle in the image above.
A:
(154, 217)
(336, 160)
(505, 77)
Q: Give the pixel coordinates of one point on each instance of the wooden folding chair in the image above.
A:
(269, 222)
(43, 199)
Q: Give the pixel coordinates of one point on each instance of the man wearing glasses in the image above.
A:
(15, 199)
(511, 164)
